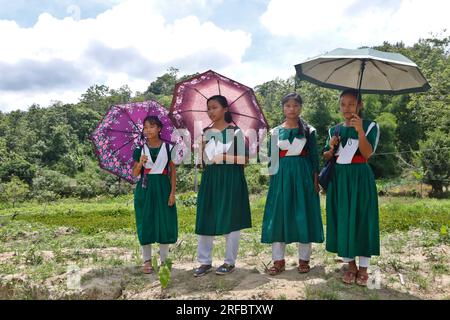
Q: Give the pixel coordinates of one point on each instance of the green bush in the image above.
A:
(53, 181)
(256, 182)
(188, 199)
(436, 162)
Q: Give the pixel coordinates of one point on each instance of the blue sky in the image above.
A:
(54, 50)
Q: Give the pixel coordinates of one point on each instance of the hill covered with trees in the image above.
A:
(45, 152)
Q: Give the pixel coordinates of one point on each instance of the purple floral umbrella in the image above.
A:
(120, 133)
(188, 109)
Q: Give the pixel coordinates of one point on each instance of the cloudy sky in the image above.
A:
(53, 50)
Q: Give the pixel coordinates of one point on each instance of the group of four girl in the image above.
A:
(292, 211)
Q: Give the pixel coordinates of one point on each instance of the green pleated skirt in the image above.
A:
(222, 203)
(156, 222)
(352, 212)
(292, 212)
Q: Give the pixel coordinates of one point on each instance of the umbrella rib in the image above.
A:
(179, 112)
(198, 91)
(243, 94)
(121, 131)
(117, 150)
(129, 117)
(384, 74)
(340, 67)
(394, 67)
(321, 62)
(218, 86)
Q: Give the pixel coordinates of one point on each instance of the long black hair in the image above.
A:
(224, 103)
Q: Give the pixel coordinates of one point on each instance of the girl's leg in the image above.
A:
(348, 260)
(362, 276)
(147, 252)
(278, 250)
(304, 251)
(364, 262)
(232, 243)
(351, 273)
(147, 256)
(204, 251)
(304, 254)
(163, 252)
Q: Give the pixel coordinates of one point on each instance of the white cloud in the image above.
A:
(352, 23)
(128, 44)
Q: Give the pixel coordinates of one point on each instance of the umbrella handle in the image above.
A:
(361, 75)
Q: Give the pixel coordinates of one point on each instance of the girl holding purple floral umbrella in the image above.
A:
(154, 196)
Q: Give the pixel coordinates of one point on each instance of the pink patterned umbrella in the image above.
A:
(188, 108)
(120, 133)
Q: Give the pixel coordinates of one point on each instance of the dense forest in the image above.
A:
(45, 152)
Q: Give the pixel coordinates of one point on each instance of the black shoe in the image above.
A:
(225, 269)
(202, 270)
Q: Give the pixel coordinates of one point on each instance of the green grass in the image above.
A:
(117, 214)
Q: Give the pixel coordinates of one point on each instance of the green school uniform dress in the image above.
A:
(292, 211)
(156, 222)
(222, 204)
(352, 200)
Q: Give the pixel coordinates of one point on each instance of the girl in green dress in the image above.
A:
(352, 201)
(154, 196)
(292, 211)
(223, 206)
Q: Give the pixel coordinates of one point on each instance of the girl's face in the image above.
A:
(215, 111)
(292, 109)
(349, 106)
(151, 130)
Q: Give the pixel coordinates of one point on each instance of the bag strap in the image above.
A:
(169, 156)
(336, 134)
(306, 132)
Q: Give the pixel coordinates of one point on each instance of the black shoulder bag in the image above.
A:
(326, 173)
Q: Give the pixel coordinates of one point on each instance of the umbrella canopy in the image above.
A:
(189, 111)
(120, 133)
(367, 70)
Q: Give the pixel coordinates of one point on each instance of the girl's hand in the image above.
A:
(316, 184)
(334, 142)
(171, 199)
(356, 123)
(143, 159)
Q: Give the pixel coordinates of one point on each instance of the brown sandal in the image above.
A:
(303, 266)
(147, 268)
(349, 276)
(277, 268)
(361, 279)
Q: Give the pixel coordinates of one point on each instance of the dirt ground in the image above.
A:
(413, 265)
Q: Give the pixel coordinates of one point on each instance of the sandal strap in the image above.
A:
(350, 276)
(277, 267)
(364, 276)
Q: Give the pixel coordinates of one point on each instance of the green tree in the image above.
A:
(16, 165)
(385, 166)
(436, 161)
(14, 191)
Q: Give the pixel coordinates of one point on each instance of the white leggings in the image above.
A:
(279, 248)
(363, 261)
(147, 252)
(205, 246)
